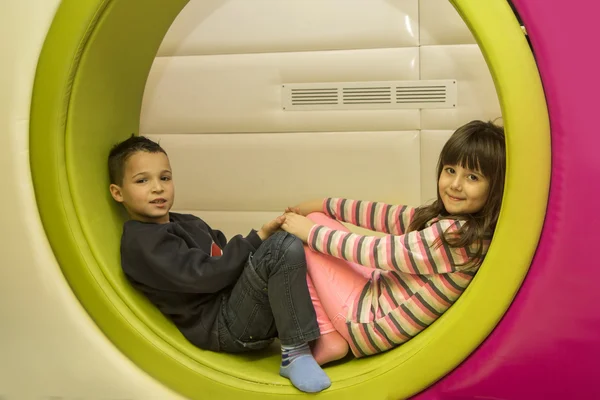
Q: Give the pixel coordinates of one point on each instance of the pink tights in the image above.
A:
(334, 284)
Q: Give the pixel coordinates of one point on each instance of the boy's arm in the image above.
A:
(176, 267)
(264, 232)
(379, 217)
(219, 237)
(416, 253)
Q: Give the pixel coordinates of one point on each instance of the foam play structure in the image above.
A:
(528, 318)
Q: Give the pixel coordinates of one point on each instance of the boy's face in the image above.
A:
(147, 191)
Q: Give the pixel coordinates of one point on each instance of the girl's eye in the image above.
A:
(450, 170)
(473, 177)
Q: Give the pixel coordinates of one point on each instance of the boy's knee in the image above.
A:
(287, 248)
(292, 250)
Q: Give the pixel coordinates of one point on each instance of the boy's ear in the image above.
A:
(116, 193)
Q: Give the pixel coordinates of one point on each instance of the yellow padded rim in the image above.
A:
(87, 95)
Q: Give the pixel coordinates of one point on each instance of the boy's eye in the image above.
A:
(166, 178)
(140, 181)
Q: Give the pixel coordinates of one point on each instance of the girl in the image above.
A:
(379, 292)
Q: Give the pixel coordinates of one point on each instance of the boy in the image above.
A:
(223, 296)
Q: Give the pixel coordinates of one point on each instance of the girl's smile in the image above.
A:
(463, 191)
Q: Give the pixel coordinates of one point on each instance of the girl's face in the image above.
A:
(462, 190)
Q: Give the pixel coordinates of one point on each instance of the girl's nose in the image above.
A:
(455, 183)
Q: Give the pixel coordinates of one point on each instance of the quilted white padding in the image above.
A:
(431, 147)
(440, 24)
(268, 26)
(242, 93)
(477, 98)
(213, 98)
(267, 172)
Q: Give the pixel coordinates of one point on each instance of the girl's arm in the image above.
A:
(412, 253)
(379, 217)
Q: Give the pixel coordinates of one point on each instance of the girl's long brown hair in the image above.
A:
(478, 146)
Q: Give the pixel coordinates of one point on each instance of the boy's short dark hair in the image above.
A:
(122, 151)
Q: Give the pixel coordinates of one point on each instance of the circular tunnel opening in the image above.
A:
(87, 96)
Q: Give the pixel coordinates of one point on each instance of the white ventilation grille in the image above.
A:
(369, 95)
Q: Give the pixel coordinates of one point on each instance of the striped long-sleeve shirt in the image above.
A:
(415, 277)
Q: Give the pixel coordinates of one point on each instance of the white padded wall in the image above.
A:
(213, 98)
(440, 24)
(448, 51)
(267, 26)
(242, 93)
(265, 172)
(477, 97)
(431, 146)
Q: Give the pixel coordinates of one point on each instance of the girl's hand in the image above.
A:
(270, 227)
(306, 207)
(297, 225)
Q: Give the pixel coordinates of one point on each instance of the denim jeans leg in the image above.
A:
(271, 297)
(281, 260)
(246, 320)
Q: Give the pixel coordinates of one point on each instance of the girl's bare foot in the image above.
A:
(329, 347)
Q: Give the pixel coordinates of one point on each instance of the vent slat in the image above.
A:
(316, 93)
(418, 102)
(314, 89)
(367, 98)
(313, 100)
(366, 91)
(365, 95)
(369, 95)
(421, 91)
(419, 97)
(368, 102)
(316, 96)
(368, 88)
(421, 87)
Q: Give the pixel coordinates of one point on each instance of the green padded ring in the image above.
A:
(87, 96)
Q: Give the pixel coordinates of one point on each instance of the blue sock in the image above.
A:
(299, 366)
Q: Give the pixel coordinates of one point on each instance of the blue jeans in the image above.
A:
(270, 299)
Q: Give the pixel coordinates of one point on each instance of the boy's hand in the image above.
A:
(306, 207)
(297, 225)
(270, 227)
